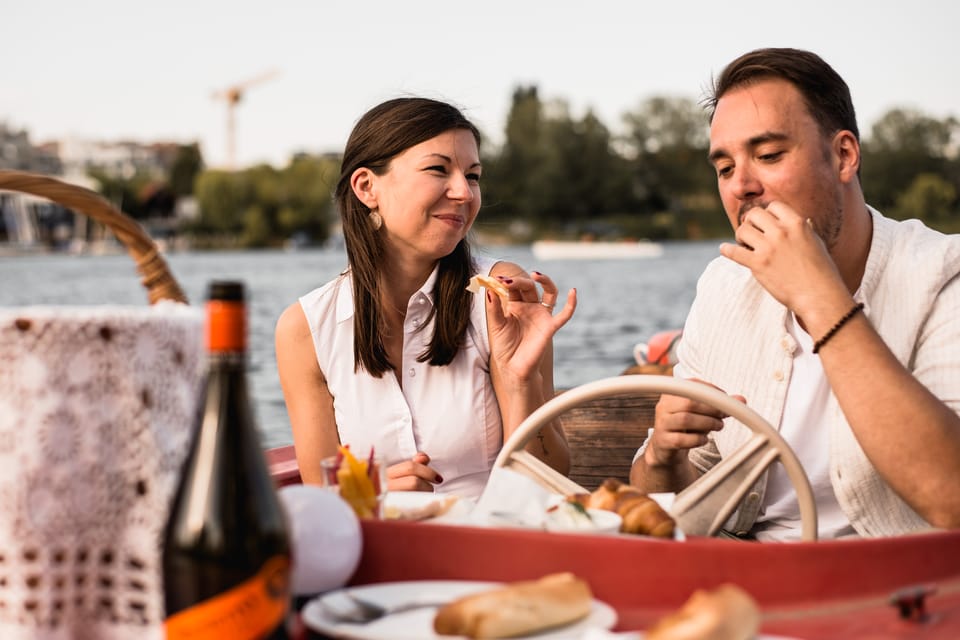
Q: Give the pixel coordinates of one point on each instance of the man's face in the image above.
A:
(765, 146)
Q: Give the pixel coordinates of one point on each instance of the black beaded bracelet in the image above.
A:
(842, 321)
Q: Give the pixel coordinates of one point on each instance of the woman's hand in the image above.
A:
(522, 328)
(413, 474)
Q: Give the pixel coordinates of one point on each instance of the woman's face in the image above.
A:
(430, 195)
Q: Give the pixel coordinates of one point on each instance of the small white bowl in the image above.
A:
(605, 521)
(566, 520)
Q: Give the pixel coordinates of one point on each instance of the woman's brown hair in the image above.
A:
(382, 133)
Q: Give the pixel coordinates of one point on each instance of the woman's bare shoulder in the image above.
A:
(292, 323)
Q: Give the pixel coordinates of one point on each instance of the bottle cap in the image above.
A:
(226, 290)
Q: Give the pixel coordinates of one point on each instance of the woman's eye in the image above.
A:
(473, 177)
(438, 168)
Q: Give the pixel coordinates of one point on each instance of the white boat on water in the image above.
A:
(595, 250)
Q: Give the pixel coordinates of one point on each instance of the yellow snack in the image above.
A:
(356, 486)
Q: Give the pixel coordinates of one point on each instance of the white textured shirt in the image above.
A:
(450, 412)
(736, 337)
(805, 427)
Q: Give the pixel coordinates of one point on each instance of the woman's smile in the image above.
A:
(452, 219)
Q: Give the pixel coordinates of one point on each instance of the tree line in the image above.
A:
(559, 175)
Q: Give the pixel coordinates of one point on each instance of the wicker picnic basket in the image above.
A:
(95, 408)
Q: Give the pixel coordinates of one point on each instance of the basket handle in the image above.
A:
(154, 272)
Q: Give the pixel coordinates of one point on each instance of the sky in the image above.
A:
(147, 70)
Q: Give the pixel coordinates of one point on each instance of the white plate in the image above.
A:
(417, 624)
(411, 501)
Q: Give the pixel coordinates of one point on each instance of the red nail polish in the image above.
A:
(438, 479)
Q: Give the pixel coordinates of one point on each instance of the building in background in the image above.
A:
(28, 223)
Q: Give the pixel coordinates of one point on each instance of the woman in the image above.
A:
(395, 353)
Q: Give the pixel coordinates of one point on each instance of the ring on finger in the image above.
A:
(548, 305)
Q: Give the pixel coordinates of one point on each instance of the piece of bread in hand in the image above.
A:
(725, 613)
(517, 609)
(492, 284)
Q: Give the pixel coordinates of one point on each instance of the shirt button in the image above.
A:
(778, 376)
(416, 322)
(413, 372)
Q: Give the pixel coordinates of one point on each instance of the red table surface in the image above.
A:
(828, 589)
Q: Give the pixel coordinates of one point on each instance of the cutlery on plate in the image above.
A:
(358, 610)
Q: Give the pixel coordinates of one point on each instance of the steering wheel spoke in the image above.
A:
(703, 507)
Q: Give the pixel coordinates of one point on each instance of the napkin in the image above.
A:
(512, 499)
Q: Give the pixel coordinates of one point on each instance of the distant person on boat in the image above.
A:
(395, 353)
(836, 324)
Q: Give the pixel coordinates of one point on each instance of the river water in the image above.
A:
(620, 302)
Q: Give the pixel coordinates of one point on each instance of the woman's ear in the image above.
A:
(362, 183)
(847, 153)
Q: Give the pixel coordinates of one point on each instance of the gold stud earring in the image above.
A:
(375, 219)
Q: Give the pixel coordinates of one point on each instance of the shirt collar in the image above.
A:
(880, 247)
(345, 294)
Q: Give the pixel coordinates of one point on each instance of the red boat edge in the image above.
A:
(903, 587)
(282, 462)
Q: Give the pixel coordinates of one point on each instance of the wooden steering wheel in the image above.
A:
(703, 507)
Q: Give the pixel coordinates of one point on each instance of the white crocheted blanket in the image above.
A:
(95, 409)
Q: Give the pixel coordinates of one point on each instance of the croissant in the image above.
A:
(605, 496)
(641, 514)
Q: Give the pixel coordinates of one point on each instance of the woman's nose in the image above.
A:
(459, 188)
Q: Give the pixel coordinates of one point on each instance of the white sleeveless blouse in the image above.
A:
(450, 412)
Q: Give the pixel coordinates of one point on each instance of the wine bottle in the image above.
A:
(226, 554)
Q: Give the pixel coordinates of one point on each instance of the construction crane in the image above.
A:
(233, 95)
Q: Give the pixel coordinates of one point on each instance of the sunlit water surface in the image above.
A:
(621, 302)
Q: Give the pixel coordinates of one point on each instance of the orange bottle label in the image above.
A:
(249, 611)
(226, 326)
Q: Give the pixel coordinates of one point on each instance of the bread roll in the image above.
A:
(726, 613)
(517, 609)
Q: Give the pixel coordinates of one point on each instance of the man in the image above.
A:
(836, 324)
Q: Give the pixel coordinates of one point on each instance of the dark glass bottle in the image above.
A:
(226, 555)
